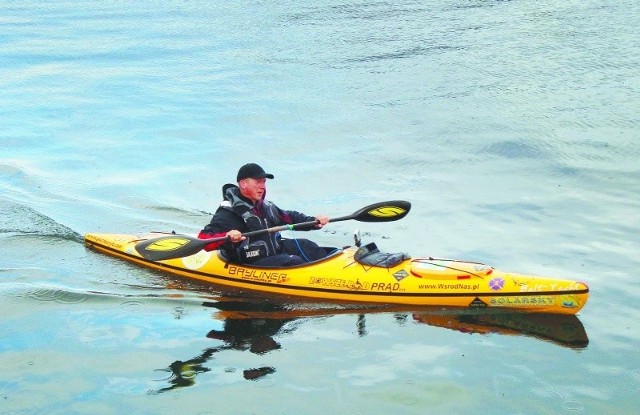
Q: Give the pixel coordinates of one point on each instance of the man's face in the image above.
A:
(253, 189)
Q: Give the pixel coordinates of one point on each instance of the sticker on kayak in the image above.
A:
(496, 284)
(197, 260)
(570, 301)
(387, 211)
(167, 244)
(400, 275)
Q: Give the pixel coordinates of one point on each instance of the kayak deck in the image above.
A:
(340, 277)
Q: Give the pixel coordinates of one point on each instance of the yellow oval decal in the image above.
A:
(387, 211)
(167, 244)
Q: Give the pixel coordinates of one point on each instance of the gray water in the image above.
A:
(511, 126)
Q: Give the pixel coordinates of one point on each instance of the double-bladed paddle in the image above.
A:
(178, 246)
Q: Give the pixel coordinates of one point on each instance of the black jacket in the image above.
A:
(237, 212)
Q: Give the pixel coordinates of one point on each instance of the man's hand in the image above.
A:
(235, 236)
(322, 220)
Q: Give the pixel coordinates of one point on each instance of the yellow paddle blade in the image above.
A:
(170, 243)
(387, 211)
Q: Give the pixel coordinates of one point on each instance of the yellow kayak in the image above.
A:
(343, 276)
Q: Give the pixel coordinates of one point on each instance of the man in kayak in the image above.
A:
(245, 209)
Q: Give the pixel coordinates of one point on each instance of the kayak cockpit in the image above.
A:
(331, 252)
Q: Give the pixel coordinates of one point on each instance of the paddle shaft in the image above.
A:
(291, 227)
(175, 246)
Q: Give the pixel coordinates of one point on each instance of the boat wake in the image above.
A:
(17, 220)
(54, 293)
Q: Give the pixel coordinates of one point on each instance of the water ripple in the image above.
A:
(514, 150)
(58, 295)
(132, 304)
(407, 53)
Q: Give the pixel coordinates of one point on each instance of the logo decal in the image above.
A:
(496, 284)
(570, 301)
(197, 260)
(167, 244)
(387, 211)
(400, 275)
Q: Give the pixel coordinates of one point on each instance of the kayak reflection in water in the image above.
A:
(251, 325)
(563, 330)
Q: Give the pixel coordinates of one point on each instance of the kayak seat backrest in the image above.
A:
(370, 255)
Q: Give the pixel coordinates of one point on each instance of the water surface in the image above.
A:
(511, 126)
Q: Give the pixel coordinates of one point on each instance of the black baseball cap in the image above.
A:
(253, 171)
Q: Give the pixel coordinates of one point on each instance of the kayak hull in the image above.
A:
(339, 277)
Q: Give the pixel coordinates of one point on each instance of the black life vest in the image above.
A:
(257, 246)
